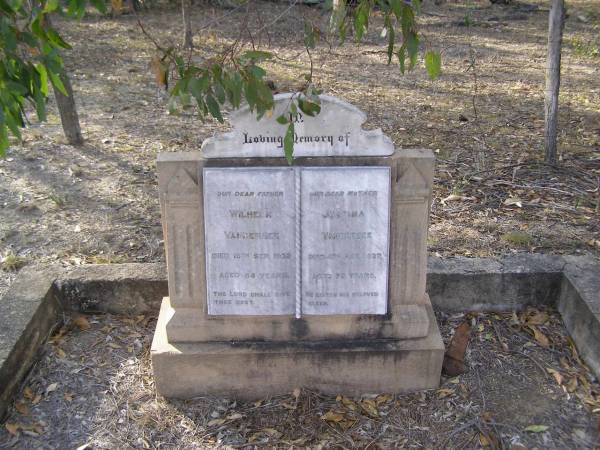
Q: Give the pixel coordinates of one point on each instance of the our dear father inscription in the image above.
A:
(294, 241)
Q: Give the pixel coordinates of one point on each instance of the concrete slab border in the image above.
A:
(35, 303)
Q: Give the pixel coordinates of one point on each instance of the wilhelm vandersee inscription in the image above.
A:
(250, 238)
(282, 241)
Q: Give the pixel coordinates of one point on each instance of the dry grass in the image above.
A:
(483, 118)
(79, 205)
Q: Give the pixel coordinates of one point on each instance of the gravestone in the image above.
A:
(306, 275)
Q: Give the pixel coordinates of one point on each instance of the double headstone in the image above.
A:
(306, 275)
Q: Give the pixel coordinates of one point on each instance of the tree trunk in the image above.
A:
(68, 112)
(187, 24)
(66, 105)
(556, 24)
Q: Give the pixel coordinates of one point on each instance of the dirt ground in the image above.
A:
(483, 118)
(93, 389)
(492, 195)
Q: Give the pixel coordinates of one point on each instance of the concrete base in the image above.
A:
(251, 370)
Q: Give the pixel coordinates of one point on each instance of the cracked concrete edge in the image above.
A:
(29, 312)
(454, 284)
(35, 301)
(579, 306)
(129, 289)
(494, 284)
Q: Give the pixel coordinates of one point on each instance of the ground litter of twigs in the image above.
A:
(492, 195)
(525, 388)
(483, 118)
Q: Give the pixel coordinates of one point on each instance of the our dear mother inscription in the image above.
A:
(280, 266)
(297, 240)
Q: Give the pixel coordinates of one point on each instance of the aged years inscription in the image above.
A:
(305, 240)
(345, 229)
(250, 237)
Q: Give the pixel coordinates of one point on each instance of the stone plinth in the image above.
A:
(250, 370)
(306, 275)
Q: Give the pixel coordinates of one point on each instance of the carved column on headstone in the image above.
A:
(183, 240)
(412, 191)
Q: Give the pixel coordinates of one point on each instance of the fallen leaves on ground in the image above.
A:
(82, 323)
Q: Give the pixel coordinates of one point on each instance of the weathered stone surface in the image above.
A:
(345, 240)
(250, 227)
(579, 305)
(132, 288)
(31, 308)
(494, 284)
(251, 370)
(336, 131)
(29, 311)
(406, 318)
(183, 227)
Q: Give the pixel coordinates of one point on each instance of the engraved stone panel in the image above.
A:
(250, 238)
(345, 239)
(335, 131)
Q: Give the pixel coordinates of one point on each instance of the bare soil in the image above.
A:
(483, 118)
(493, 195)
(93, 388)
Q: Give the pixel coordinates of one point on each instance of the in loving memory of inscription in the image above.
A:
(284, 241)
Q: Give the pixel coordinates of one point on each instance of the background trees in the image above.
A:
(32, 55)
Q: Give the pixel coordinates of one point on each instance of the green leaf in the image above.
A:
(257, 72)
(264, 96)
(43, 78)
(536, 428)
(309, 108)
(198, 86)
(408, 20)
(433, 63)
(55, 38)
(5, 7)
(288, 144)
(36, 28)
(180, 63)
(412, 45)
(251, 93)
(282, 120)
(402, 59)
(213, 108)
(13, 122)
(50, 6)
(391, 38)
(361, 19)
(417, 6)
(40, 105)
(57, 83)
(76, 8)
(3, 139)
(29, 39)
(219, 92)
(233, 86)
(396, 6)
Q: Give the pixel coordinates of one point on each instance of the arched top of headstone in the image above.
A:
(335, 131)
